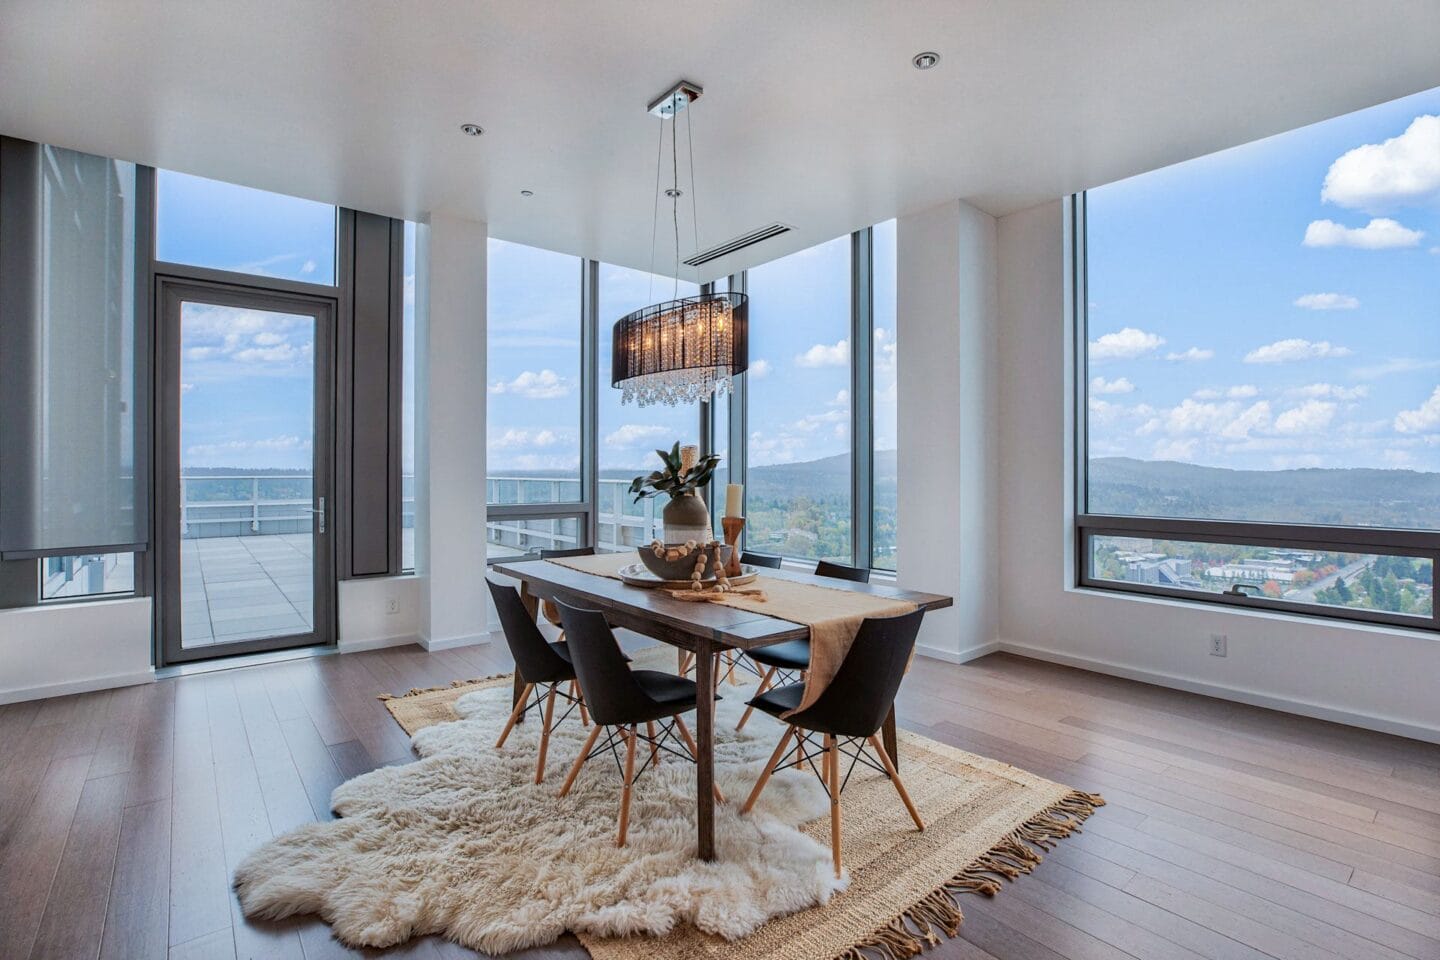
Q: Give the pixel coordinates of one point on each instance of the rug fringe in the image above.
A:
(416, 691)
(916, 928)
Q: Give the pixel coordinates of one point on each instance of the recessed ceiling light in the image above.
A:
(527, 193)
(471, 129)
(926, 60)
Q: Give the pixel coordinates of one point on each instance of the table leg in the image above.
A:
(887, 733)
(705, 755)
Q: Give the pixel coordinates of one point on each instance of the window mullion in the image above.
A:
(862, 423)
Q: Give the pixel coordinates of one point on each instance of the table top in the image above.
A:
(654, 613)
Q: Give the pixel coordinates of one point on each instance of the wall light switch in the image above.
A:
(1219, 645)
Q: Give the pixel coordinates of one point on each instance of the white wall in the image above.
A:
(50, 651)
(946, 331)
(1375, 677)
(378, 612)
(450, 434)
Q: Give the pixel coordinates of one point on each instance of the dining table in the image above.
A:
(702, 629)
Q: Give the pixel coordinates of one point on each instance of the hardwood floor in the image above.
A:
(1231, 832)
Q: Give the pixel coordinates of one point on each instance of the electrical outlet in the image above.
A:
(392, 605)
(1219, 645)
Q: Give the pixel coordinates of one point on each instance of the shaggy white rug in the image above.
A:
(464, 844)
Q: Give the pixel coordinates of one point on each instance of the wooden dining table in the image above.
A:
(700, 628)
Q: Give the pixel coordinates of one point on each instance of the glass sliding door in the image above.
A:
(246, 467)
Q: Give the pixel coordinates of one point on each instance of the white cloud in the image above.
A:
(1126, 344)
(1286, 351)
(822, 355)
(308, 266)
(1403, 169)
(230, 448)
(1329, 391)
(758, 369)
(511, 439)
(1243, 391)
(545, 385)
(1194, 353)
(1120, 385)
(1230, 420)
(1423, 419)
(1312, 416)
(1394, 366)
(636, 434)
(1327, 301)
(842, 399)
(1379, 234)
(1435, 249)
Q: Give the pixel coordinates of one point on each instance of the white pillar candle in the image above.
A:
(732, 500)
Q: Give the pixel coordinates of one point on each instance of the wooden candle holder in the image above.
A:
(732, 527)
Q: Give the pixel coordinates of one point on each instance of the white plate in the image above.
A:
(638, 575)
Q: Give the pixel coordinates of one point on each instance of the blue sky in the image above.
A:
(1275, 305)
(247, 381)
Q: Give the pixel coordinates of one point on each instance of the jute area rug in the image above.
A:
(463, 844)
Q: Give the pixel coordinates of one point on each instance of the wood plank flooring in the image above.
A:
(1232, 832)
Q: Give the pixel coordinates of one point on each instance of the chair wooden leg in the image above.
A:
(654, 744)
(625, 792)
(515, 715)
(895, 779)
(765, 682)
(832, 767)
(730, 663)
(686, 658)
(545, 734)
(580, 760)
(694, 750)
(769, 768)
(580, 701)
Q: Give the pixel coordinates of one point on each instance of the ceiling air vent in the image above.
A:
(737, 243)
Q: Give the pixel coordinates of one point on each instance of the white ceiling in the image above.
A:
(812, 113)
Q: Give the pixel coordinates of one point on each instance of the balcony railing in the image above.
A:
(260, 504)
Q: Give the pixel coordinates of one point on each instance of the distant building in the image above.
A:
(1157, 569)
(1254, 570)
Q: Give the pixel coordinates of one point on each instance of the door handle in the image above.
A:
(321, 511)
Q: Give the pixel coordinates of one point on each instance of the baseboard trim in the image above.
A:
(961, 656)
(44, 691)
(1304, 708)
(433, 644)
(377, 643)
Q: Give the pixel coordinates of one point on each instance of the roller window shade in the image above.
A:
(72, 356)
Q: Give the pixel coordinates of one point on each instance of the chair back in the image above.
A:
(838, 571)
(857, 700)
(610, 691)
(573, 552)
(761, 560)
(535, 659)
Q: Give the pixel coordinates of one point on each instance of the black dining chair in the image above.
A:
(547, 607)
(621, 700)
(543, 665)
(761, 560)
(846, 718)
(784, 660)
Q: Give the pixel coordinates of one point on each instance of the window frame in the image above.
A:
(1384, 541)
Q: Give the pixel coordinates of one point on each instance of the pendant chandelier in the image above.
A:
(686, 348)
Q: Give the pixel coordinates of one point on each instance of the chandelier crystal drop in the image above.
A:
(686, 349)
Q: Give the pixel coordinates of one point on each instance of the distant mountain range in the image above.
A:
(1349, 497)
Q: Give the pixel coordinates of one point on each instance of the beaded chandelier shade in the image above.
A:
(685, 349)
(681, 350)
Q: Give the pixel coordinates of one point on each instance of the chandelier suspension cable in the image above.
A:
(675, 201)
(655, 215)
(694, 201)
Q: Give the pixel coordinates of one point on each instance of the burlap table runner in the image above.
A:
(833, 614)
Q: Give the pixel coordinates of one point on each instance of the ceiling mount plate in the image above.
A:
(676, 99)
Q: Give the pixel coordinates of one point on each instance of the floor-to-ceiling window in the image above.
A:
(628, 435)
(798, 496)
(1261, 368)
(533, 438)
